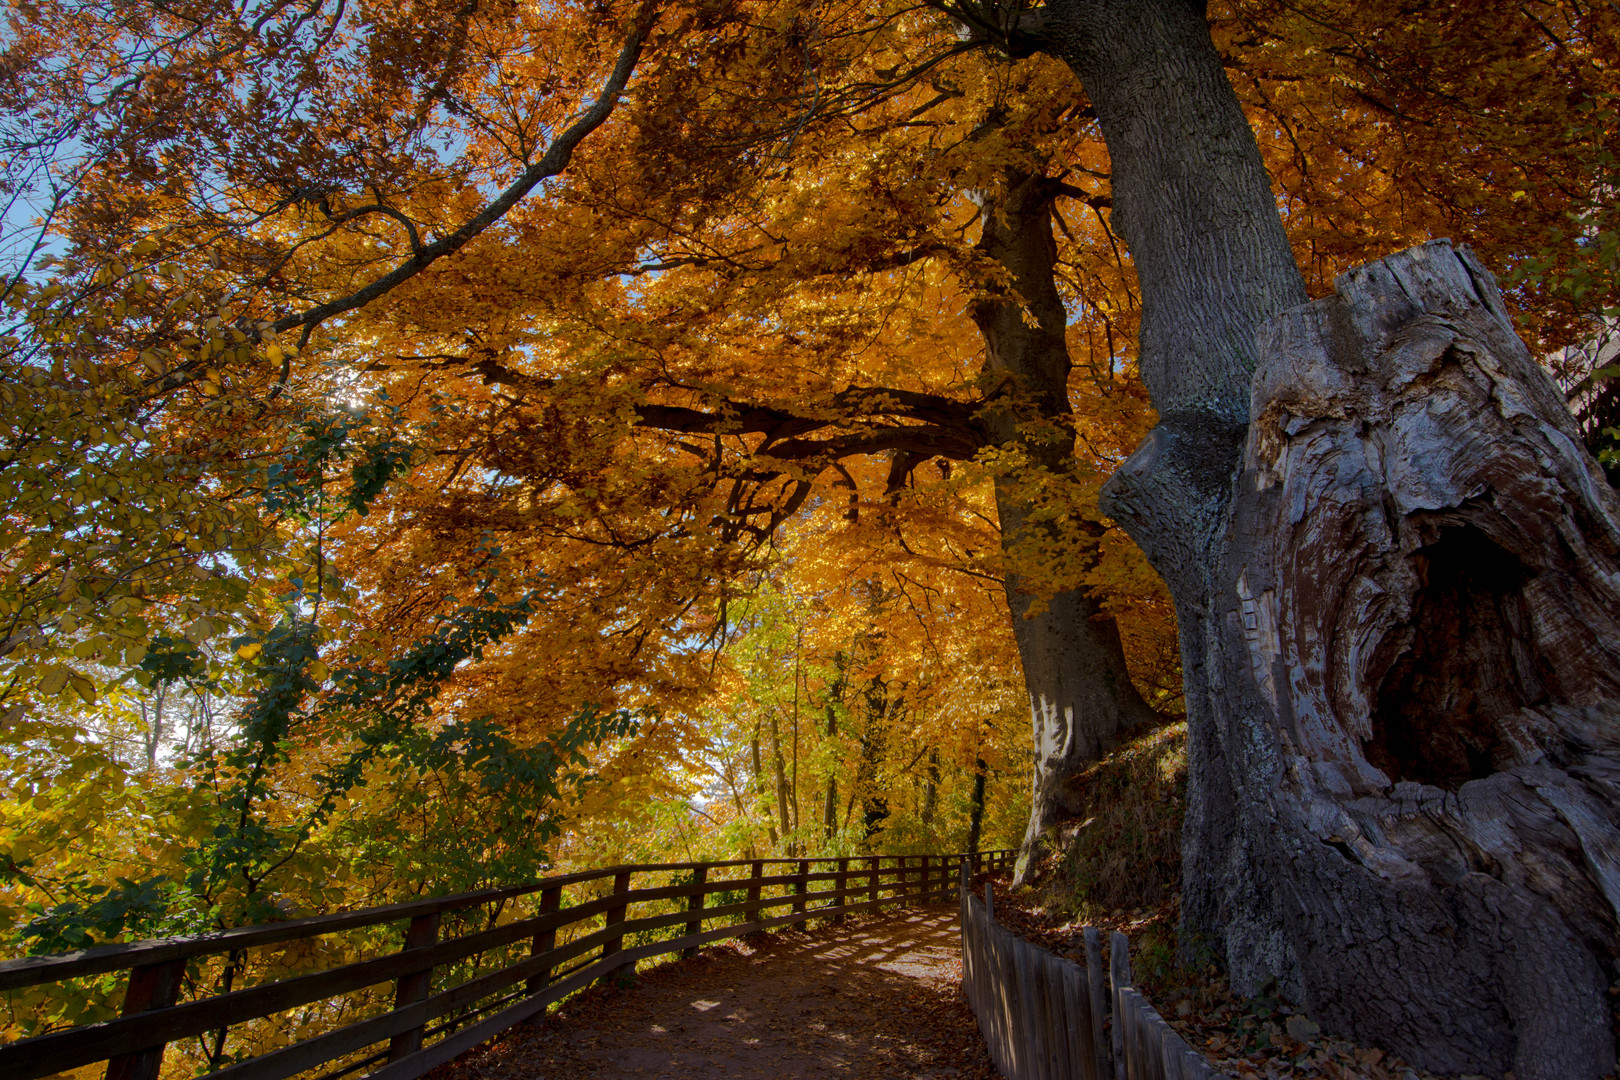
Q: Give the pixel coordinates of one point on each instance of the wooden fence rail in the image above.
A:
(1047, 1018)
(445, 999)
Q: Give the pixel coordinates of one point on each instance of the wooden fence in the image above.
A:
(1048, 1018)
(450, 992)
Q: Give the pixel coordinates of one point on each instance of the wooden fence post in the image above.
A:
(872, 888)
(1097, 988)
(1076, 1022)
(151, 986)
(989, 903)
(414, 986)
(545, 940)
(694, 906)
(615, 916)
(901, 879)
(839, 886)
(800, 885)
(1119, 977)
(1046, 975)
(751, 914)
(924, 893)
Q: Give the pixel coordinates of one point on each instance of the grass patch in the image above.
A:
(1123, 851)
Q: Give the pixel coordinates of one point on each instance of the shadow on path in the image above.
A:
(879, 998)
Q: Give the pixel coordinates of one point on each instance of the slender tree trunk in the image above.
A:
(930, 788)
(976, 806)
(759, 783)
(880, 711)
(1080, 690)
(829, 809)
(835, 697)
(794, 784)
(1397, 578)
(155, 724)
(779, 775)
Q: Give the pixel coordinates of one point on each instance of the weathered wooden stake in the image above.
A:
(153, 986)
(414, 986)
(615, 916)
(752, 912)
(841, 884)
(545, 940)
(1096, 986)
(799, 885)
(694, 907)
(1119, 976)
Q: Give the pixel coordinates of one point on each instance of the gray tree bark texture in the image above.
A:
(1409, 813)
(1080, 691)
(1397, 581)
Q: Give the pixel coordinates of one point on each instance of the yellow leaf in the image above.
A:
(84, 688)
(319, 671)
(250, 650)
(54, 680)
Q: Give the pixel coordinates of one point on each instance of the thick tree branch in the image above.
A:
(553, 162)
(865, 419)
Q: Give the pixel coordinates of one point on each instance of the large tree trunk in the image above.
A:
(1413, 659)
(1080, 690)
(1193, 203)
(1397, 594)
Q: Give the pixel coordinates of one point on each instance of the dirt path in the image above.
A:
(879, 998)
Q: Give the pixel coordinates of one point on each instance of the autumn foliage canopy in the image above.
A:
(447, 439)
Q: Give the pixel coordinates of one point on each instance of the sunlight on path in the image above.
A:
(876, 998)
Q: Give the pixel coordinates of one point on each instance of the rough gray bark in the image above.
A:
(1190, 196)
(1192, 200)
(1080, 690)
(1413, 665)
(1397, 593)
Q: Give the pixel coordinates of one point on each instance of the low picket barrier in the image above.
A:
(450, 993)
(1045, 1017)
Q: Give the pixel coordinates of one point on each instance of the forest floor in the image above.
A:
(873, 998)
